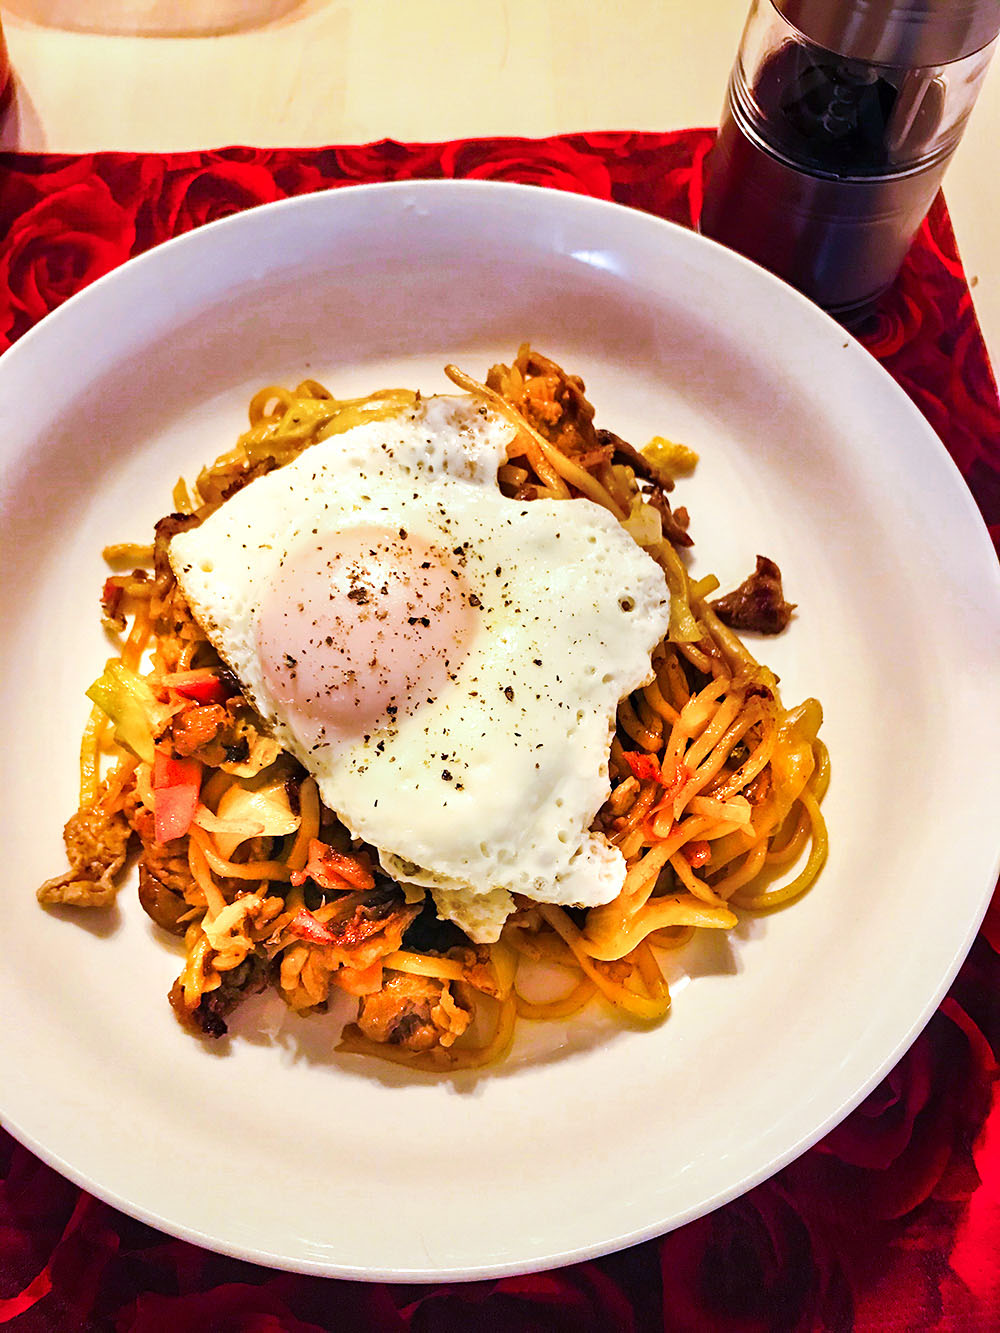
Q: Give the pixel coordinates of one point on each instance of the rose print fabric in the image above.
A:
(893, 1220)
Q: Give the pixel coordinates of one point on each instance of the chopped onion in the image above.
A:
(643, 524)
(736, 811)
(252, 814)
(204, 818)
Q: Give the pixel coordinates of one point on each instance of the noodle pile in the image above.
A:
(714, 803)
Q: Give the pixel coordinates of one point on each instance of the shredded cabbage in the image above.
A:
(676, 460)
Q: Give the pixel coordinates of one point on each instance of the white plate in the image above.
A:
(591, 1136)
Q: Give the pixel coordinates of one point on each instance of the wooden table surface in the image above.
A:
(174, 74)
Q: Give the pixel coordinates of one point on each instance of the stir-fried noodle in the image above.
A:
(714, 803)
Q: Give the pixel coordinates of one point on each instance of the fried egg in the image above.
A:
(444, 660)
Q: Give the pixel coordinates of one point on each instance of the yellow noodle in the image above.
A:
(631, 725)
(712, 765)
(675, 679)
(637, 812)
(696, 657)
(230, 869)
(655, 701)
(424, 965)
(671, 937)
(797, 886)
(652, 977)
(137, 640)
(682, 869)
(792, 848)
(754, 765)
(707, 739)
(713, 733)
(745, 874)
(134, 553)
(197, 862)
(639, 1006)
(657, 914)
(571, 1003)
(734, 811)
(308, 826)
(567, 470)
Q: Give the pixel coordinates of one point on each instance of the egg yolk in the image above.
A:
(361, 626)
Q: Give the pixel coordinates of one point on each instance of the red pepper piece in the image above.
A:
(204, 686)
(332, 870)
(176, 786)
(306, 927)
(697, 853)
(646, 767)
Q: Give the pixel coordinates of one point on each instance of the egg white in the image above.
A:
(490, 787)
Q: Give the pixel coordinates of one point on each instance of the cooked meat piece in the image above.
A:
(758, 603)
(351, 935)
(208, 1018)
(197, 726)
(414, 1012)
(556, 405)
(167, 528)
(361, 918)
(623, 452)
(330, 869)
(164, 875)
(96, 846)
(552, 401)
(674, 521)
(160, 902)
(478, 970)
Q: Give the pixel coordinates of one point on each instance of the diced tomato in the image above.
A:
(646, 767)
(332, 870)
(697, 853)
(306, 927)
(176, 787)
(204, 686)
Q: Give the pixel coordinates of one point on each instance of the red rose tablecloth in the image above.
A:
(893, 1220)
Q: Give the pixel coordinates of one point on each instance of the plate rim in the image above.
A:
(529, 194)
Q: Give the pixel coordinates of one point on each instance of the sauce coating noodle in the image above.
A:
(715, 787)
